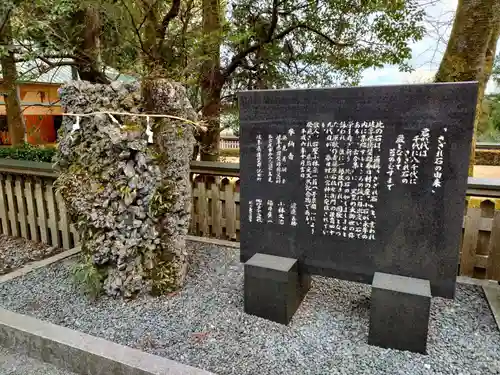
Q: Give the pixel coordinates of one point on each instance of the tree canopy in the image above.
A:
(216, 48)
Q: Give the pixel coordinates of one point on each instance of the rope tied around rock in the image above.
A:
(199, 125)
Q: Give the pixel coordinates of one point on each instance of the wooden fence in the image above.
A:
(30, 207)
(229, 142)
(232, 141)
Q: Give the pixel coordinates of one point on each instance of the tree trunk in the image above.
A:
(212, 80)
(15, 119)
(471, 50)
(209, 139)
(88, 50)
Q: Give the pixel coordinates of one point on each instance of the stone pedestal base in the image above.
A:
(274, 287)
(399, 316)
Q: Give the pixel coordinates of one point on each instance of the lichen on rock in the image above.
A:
(130, 200)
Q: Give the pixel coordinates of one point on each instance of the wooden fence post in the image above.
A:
(468, 257)
(11, 206)
(229, 208)
(21, 207)
(202, 217)
(42, 211)
(3, 208)
(31, 210)
(493, 272)
(216, 208)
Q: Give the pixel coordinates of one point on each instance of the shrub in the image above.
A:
(88, 276)
(487, 157)
(28, 152)
(230, 152)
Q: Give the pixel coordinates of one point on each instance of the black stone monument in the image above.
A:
(352, 181)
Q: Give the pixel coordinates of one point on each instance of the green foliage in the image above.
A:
(126, 32)
(46, 28)
(28, 152)
(230, 152)
(488, 129)
(494, 118)
(161, 201)
(495, 72)
(86, 275)
(231, 120)
(313, 43)
(163, 277)
(300, 43)
(321, 43)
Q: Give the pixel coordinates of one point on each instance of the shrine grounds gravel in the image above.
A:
(16, 252)
(204, 324)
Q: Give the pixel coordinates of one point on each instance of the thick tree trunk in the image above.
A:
(211, 80)
(471, 50)
(15, 119)
(88, 51)
(209, 140)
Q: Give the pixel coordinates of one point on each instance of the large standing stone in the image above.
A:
(130, 199)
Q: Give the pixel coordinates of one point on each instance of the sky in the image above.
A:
(426, 54)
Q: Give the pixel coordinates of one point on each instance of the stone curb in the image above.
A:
(27, 268)
(492, 293)
(81, 353)
(214, 241)
(471, 281)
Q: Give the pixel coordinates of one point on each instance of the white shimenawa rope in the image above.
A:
(129, 114)
(76, 125)
(115, 120)
(149, 132)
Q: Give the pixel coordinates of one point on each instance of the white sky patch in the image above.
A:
(427, 53)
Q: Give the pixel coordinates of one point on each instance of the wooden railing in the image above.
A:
(232, 141)
(31, 208)
(229, 141)
(487, 146)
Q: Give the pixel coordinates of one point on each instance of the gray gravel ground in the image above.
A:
(204, 325)
(16, 252)
(12, 363)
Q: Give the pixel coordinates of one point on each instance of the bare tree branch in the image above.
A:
(146, 14)
(59, 56)
(274, 21)
(237, 60)
(136, 30)
(171, 14)
(39, 105)
(4, 22)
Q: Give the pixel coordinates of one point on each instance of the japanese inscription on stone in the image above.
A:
(356, 180)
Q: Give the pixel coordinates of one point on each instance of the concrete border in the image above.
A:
(492, 293)
(471, 281)
(81, 353)
(214, 241)
(29, 267)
